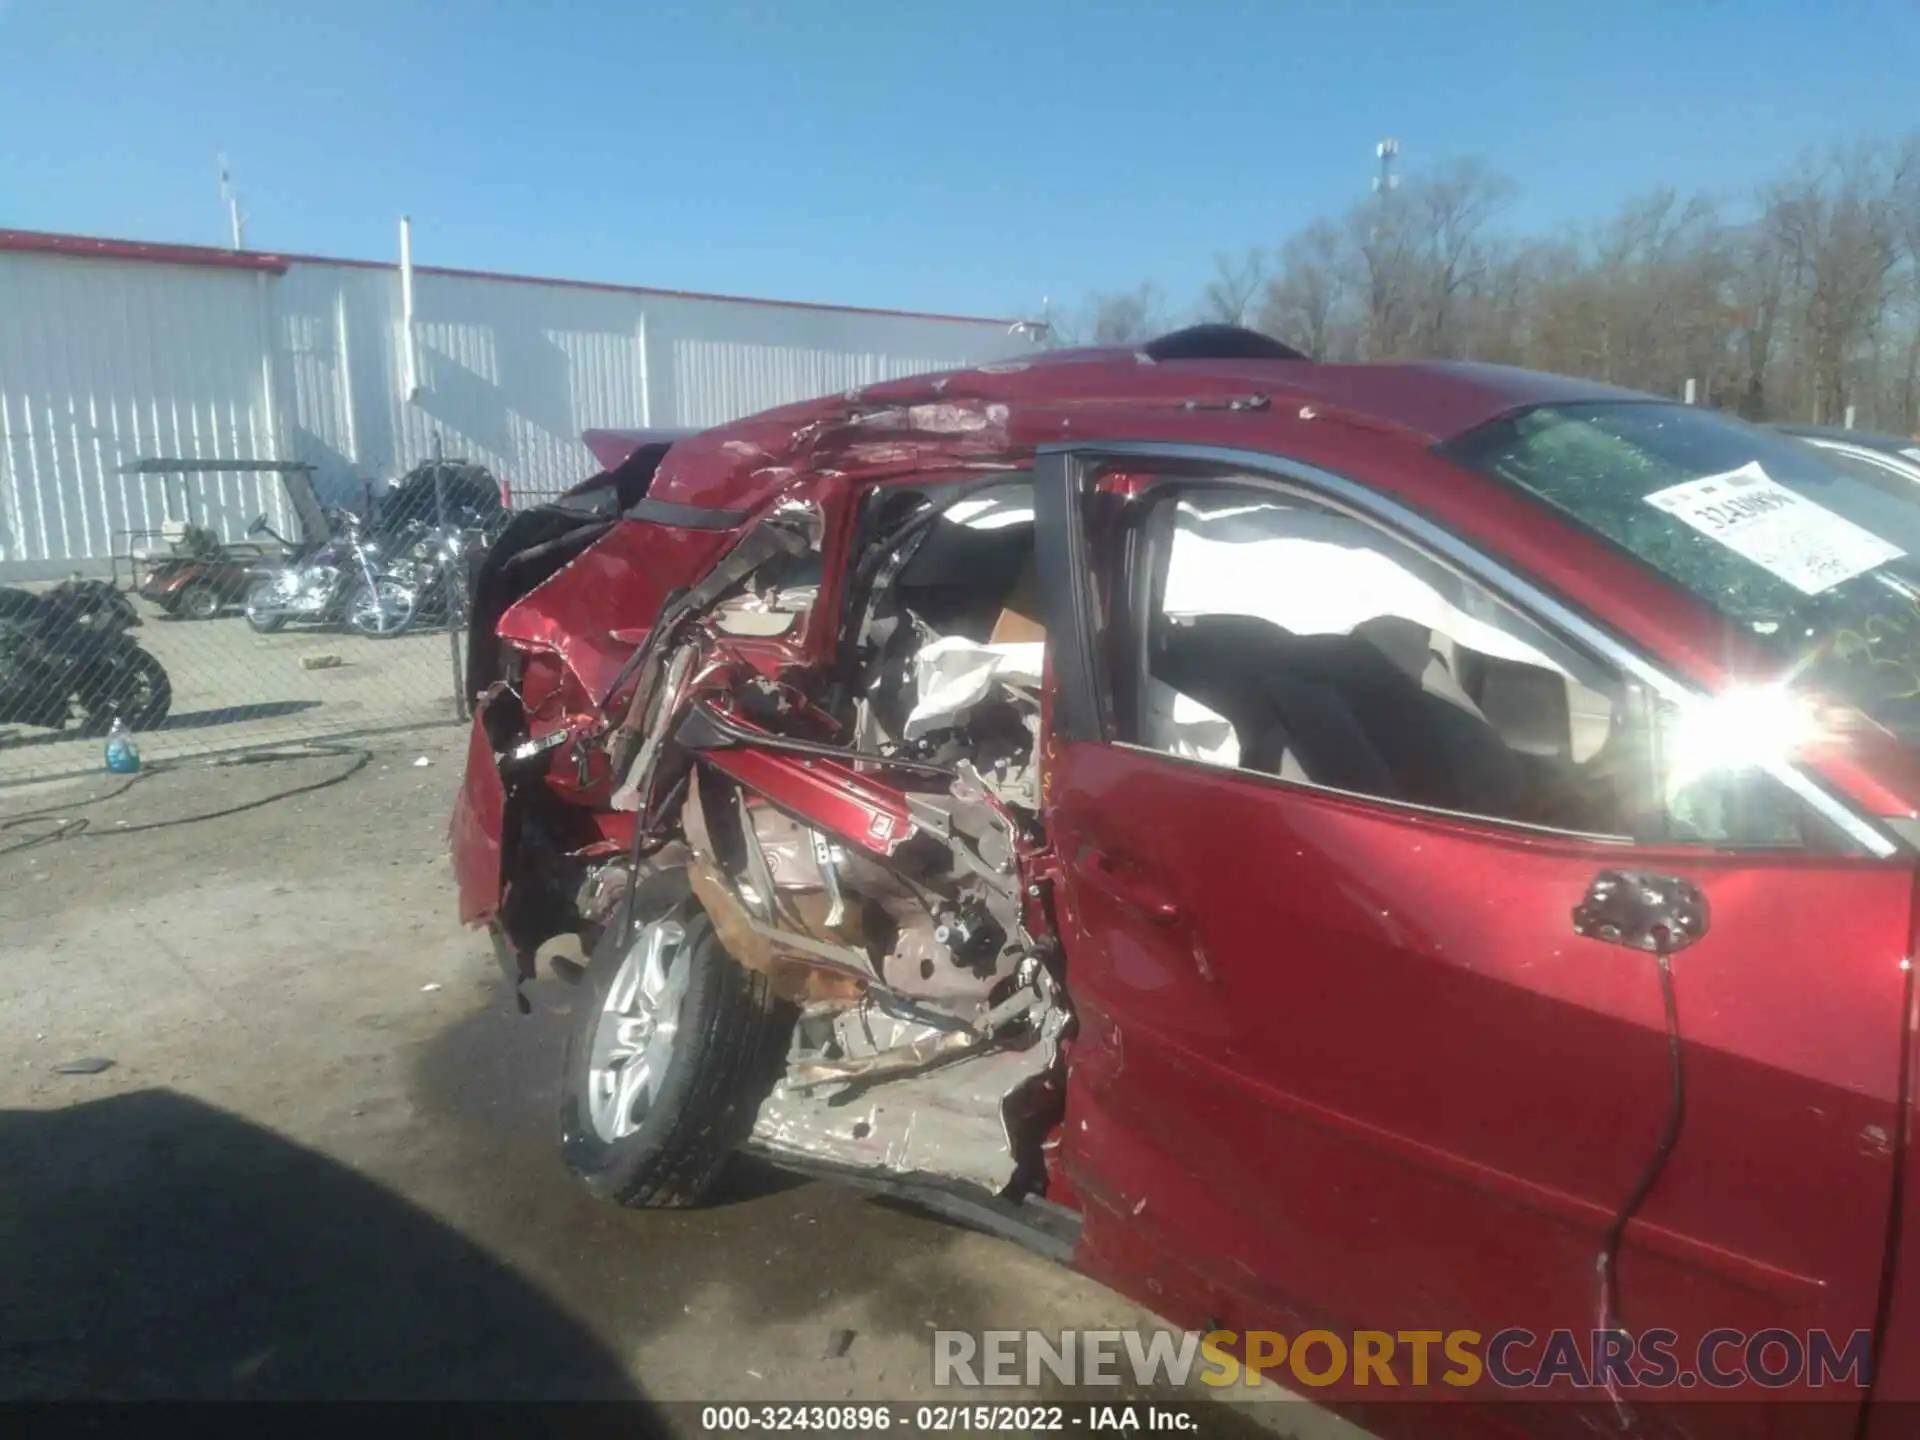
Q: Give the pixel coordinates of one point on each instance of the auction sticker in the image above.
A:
(1805, 544)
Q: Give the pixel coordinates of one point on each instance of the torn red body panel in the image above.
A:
(633, 569)
(831, 795)
(474, 833)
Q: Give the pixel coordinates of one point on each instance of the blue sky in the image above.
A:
(955, 157)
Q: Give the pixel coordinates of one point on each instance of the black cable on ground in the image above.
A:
(63, 826)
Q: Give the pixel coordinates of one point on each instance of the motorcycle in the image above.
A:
(405, 562)
(65, 655)
(433, 565)
(338, 581)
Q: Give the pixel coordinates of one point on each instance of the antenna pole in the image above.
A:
(1387, 151)
(236, 221)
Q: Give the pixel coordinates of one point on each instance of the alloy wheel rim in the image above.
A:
(385, 607)
(635, 1035)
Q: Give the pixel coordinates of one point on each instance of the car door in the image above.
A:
(1343, 1061)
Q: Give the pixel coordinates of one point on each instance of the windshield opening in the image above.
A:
(1815, 560)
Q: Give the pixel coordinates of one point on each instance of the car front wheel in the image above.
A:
(673, 1046)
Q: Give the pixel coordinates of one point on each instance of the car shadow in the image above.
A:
(764, 1241)
(156, 1247)
(748, 1178)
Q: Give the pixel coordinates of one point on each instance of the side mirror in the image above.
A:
(259, 526)
(1660, 914)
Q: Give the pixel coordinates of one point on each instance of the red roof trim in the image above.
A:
(88, 246)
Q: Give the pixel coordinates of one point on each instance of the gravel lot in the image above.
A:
(322, 1163)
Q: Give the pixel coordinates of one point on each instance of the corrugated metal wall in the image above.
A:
(104, 361)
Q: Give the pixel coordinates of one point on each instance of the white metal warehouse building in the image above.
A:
(114, 351)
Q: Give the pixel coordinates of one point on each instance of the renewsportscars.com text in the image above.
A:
(1513, 1359)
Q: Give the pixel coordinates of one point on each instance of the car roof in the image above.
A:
(612, 447)
(1866, 439)
(1018, 403)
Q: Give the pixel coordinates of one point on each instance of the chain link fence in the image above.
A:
(221, 629)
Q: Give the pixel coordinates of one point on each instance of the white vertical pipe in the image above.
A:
(646, 378)
(408, 368)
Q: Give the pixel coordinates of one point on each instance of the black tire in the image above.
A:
(730, 1042)
(197, 602)
(135, 690)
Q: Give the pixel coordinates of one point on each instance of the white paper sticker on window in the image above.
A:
(1805, 544)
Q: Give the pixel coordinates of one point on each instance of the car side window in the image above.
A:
(1262, 631)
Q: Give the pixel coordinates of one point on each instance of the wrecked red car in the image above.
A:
(1408, 848)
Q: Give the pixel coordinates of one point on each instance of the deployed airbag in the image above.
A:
(953, 673)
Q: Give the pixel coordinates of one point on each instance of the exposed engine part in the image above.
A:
(602, 893)
(869, 1091)
(790, 899)
(796, 974)
(972, 830)
(864, 1043)
(771, 914)
(1013, 778)
(970, 933)
(827, 859)
(930, 1028)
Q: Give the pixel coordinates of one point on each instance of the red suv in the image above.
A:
(1423, 847)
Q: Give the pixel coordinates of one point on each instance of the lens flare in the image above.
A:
(1748, 727)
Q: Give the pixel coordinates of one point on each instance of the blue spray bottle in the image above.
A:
(123, 756)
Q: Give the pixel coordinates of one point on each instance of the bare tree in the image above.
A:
(1416, 256)
(1309, 302)
(1234, 292)
(1837, 225)
(1116, 317)
(1130, 316)
(1498, 325)
(1380, 248)
(1800, 303)
(1449, 215)
(1757, 288)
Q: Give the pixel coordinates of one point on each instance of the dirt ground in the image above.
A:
(322, 1160)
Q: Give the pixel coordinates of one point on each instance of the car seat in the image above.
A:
(1349, 716)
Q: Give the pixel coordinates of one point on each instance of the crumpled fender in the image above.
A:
(596, 611)
(473, 834)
